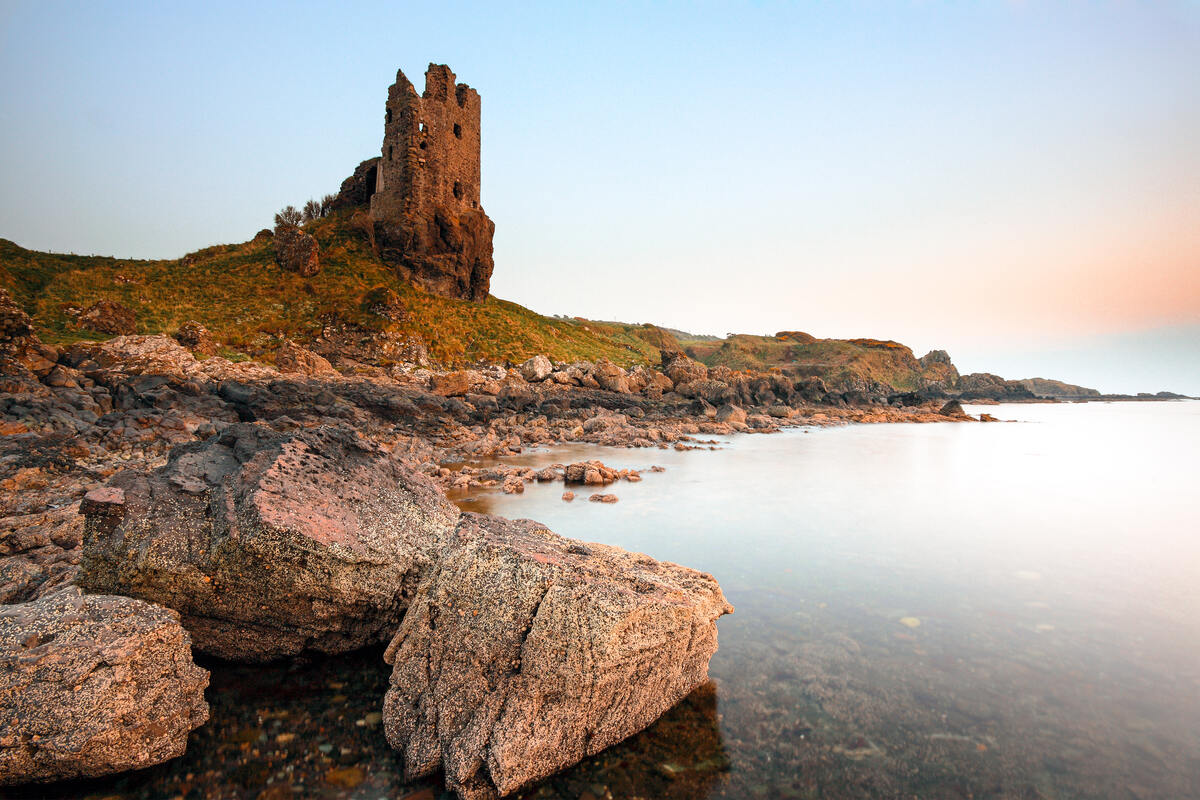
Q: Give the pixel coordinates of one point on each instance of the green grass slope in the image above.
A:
(247, 302)
(837, 361)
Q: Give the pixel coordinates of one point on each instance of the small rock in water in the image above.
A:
(568, 496)
(603, 498)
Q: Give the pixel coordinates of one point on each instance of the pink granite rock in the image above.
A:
(269, 544)
(93, 684)
(524, 652)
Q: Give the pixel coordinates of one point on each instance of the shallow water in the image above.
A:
(951, 610)
(933, 611)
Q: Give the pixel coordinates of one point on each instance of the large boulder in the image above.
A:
(291, 358)
(269, 544)
(382, 301)
(296, 251)
(732, 414)
(952, 408)
(536, 369)
(524, 652)
(196, 337)
(93, 684)
(713, 392)
(451, 384)
(108, 316)
(20, 347)
(611, 377)
(681, 369)
(15, 324)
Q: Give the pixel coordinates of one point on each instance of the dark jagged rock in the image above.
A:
(195, 337)
(525, 652)
(296, 251)
(15, 324)
(356, 190)
(450, 254)
(21, 351)
(938, 371)
(681, 369)
(269, 544)
(291, 358)
(108, 316)
(92, 685)
(952, 408)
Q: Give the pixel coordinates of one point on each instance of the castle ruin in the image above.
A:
(423, 190)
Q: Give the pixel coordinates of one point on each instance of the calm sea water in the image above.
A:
(923, 611)
(950, 610)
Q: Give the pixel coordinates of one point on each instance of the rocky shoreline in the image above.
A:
(257, 513)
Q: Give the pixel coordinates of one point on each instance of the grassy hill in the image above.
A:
(247, 302)
(837, 361)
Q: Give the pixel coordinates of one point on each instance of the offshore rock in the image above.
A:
(524, 652)
(952, 408)
(91, 685)
(269, 544)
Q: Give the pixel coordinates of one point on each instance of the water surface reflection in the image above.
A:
(938, 611)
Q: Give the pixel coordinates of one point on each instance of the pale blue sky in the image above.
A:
(1018, 183)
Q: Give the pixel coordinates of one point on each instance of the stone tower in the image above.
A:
(428, 220)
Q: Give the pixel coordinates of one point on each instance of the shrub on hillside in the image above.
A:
(288, 216)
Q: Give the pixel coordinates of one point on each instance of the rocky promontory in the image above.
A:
(257, 514)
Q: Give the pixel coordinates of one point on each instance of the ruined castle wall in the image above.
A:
(431, 152)
(428, 222)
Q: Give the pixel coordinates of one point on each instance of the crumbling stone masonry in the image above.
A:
(425, 200)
